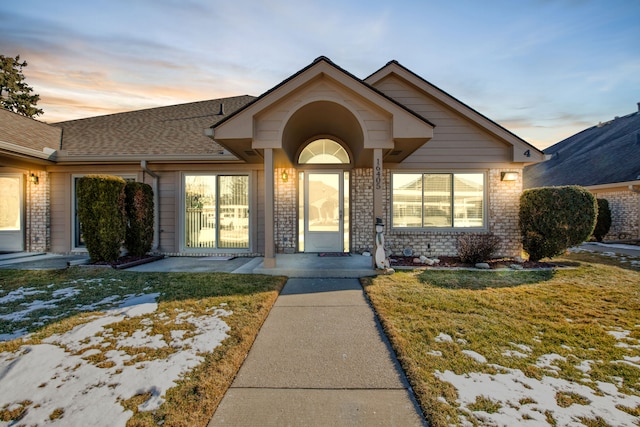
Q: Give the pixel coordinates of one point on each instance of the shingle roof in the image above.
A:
(603, 154)
(171, 130)
(28, 133)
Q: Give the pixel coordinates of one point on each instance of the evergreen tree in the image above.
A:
(15, 94)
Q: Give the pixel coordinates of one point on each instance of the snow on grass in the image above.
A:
(509, 397)
(475, 356)
(442, 337)
(527, 401)
(59, 382)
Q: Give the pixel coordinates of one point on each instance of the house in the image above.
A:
(306, 167)
(604, 159)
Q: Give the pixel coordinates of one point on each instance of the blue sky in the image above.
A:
(544, 69)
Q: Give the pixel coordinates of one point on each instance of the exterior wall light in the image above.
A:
(285, 176)
(508, 176)
(34, 179)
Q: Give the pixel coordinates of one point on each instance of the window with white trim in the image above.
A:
(216, 211)
(438, 200)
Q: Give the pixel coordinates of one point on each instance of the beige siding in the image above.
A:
(259, 189)
(377, 124)
(456, 143)
(60, 212)
(169, 203)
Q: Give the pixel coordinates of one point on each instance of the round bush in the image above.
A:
(553, 219)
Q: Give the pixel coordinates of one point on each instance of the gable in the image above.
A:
(462, 135)
(339, 98)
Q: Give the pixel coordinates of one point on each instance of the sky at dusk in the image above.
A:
(544, 69)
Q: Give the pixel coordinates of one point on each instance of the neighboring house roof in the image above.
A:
(175, 132)
(28, 138)
(603, 154)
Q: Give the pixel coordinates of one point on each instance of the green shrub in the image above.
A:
(139, 208)
(102, 215)
(473, 248)
(603, 223)
(553, 219)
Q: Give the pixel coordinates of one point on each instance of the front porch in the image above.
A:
(290, 265)
(312, 265)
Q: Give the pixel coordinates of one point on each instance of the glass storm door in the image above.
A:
(11, 213)
(325, 223)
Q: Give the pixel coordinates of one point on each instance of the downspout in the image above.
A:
(156, 206)
(636, 189)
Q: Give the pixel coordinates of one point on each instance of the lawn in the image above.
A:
(551, 348)
(124, 348)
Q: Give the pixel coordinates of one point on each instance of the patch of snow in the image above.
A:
(19, 294)
(522, 347)
(546, 361)
(51, 377)
(510, 388)
(434, 353)
(620, 334)
(462, 341)
(628, 361)
(442, 337)
(476, 356)
(13, 335)
(91, 307)
(514, 353)
(65, 293)
(584, 366)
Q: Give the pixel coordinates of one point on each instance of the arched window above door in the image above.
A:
(323, 151)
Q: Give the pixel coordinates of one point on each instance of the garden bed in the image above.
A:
(127, 261)
(455, 262)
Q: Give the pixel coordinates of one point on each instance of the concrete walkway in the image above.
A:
(320, 359)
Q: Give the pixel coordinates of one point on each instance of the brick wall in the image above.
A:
(285, 207)
(502, 199)
(37, 230)
(625, 214)
(362, 220)
(503, 205)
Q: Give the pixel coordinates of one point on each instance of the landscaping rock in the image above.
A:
(483, 266)
(516, 267)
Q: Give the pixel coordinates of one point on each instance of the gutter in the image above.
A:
(46, 153)
(156, 205)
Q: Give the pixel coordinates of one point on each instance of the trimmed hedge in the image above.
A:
(553, 219)
(102, 217)
(139, 208)
(603, 223)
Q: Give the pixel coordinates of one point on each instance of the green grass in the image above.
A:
(193, 401)
(568, 312)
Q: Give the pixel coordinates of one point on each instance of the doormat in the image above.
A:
(327, 254)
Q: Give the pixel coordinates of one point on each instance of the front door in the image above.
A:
(326, 221)
(11, 213)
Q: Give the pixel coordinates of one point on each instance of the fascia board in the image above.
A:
(28, 152)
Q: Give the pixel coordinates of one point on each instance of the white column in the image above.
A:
(378, 193)
(269, 196)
